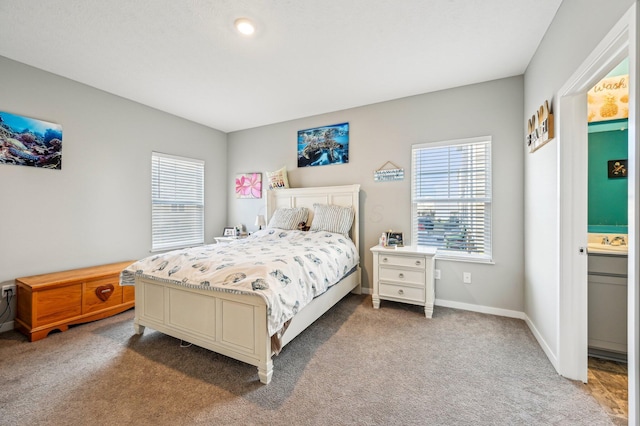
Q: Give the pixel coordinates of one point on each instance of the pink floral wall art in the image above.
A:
(249, 185)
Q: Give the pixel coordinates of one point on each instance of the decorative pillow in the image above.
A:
(284, 218)
(332, 218)
(278, 179)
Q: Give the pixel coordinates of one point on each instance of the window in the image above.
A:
(177, 202)
(451, 197)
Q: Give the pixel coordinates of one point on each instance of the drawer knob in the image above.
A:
(401, 291)
(400, 275)
(104, 292)
(384, 259)
(418, 263)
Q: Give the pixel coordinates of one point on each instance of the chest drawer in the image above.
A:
(402, 275)
(100, 294)
(402, 261)
(407, 293)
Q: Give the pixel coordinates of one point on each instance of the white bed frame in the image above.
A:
(236, 325)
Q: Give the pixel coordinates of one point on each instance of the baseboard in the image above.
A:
(505, 313)
(543, 344)
(479, 308)
(7, 326)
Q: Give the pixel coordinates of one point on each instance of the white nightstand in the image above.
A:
(404, 274)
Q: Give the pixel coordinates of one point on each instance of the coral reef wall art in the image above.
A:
(323, 145)
(249, 185)
(26, 141)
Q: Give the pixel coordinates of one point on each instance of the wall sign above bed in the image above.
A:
(321, 146)
(385, 173)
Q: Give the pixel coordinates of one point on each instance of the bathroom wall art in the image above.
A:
(617, 168)
(609, 99)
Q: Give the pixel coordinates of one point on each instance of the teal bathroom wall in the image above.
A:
(607, 197)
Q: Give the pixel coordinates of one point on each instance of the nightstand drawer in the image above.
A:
(402, 275)
(392, 291)
(403, 261)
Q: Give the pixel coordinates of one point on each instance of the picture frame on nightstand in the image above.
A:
(229, 232)
(395, 239)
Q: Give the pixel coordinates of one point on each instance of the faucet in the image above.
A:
(619, 240)
(605, 240)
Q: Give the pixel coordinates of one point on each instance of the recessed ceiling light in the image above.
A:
(245, 26)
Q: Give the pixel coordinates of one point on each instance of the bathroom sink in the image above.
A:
(606, 248)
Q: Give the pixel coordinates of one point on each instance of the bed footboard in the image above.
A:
(229, 324)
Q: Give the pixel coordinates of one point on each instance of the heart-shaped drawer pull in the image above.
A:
(104, 292)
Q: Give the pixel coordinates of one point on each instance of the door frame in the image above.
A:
(620, 42)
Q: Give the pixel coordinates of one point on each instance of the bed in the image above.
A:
(247, 323)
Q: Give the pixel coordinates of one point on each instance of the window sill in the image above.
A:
(461, 258)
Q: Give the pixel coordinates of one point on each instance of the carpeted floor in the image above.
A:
(355, 365)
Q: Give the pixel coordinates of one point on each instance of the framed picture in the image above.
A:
(249, 185)
(229, 232)
(617, 168)
(395, 239)
(323, 145)
(31, 142)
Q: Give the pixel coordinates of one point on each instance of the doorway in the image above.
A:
(572, 152)
(607, 236)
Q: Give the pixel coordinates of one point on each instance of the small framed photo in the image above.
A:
(229, 232)
(617, 168)
(395, 239)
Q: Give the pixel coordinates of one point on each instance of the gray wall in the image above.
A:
(96, 209)
(577, 29)
(385, 132)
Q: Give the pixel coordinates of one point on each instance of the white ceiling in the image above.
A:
(307, 57)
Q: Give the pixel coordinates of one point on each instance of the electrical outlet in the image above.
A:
(436, 274)
(6, 288)
(466, 277)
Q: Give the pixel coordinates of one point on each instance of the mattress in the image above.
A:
(287, 268)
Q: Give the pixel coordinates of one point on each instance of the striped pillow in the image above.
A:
(332, 218)
(284, 218)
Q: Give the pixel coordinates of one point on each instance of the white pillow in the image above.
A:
(285, 218)
(278, 179)
(332, 218)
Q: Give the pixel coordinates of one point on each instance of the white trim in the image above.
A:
(504, 313)
(177, 157)
(543, 343)
(480, 308)
(633, 273)
(452, 142)
(460, 257)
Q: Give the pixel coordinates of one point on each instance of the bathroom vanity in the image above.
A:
(607, 295)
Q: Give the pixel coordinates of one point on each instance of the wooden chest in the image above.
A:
(55, 301)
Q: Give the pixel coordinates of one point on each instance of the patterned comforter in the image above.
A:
(287, 268)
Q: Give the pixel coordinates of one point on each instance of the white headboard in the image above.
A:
(344, 195)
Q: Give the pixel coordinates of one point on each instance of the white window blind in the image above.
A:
(451, 197)
(177, 202)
